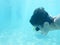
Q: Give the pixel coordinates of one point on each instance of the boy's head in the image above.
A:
(39, 17)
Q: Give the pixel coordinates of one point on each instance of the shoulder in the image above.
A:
(57, 18)
(57, 21)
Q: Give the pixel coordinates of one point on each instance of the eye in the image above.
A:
(37, 28)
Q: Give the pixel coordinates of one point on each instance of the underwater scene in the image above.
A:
(15, 28)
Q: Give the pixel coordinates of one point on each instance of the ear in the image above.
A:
(45, 28)
(46, 24)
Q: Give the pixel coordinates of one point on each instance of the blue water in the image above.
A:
(15, 28)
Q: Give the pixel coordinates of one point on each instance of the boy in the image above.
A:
(43, 22)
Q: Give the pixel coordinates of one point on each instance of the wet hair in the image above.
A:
(39, 17)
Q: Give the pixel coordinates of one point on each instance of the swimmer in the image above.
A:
(43, 22)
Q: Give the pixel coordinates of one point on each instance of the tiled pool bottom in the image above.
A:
(20, 36)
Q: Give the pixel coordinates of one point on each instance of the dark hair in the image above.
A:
(40, 16)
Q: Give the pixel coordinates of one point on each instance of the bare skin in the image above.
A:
(50, 27)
